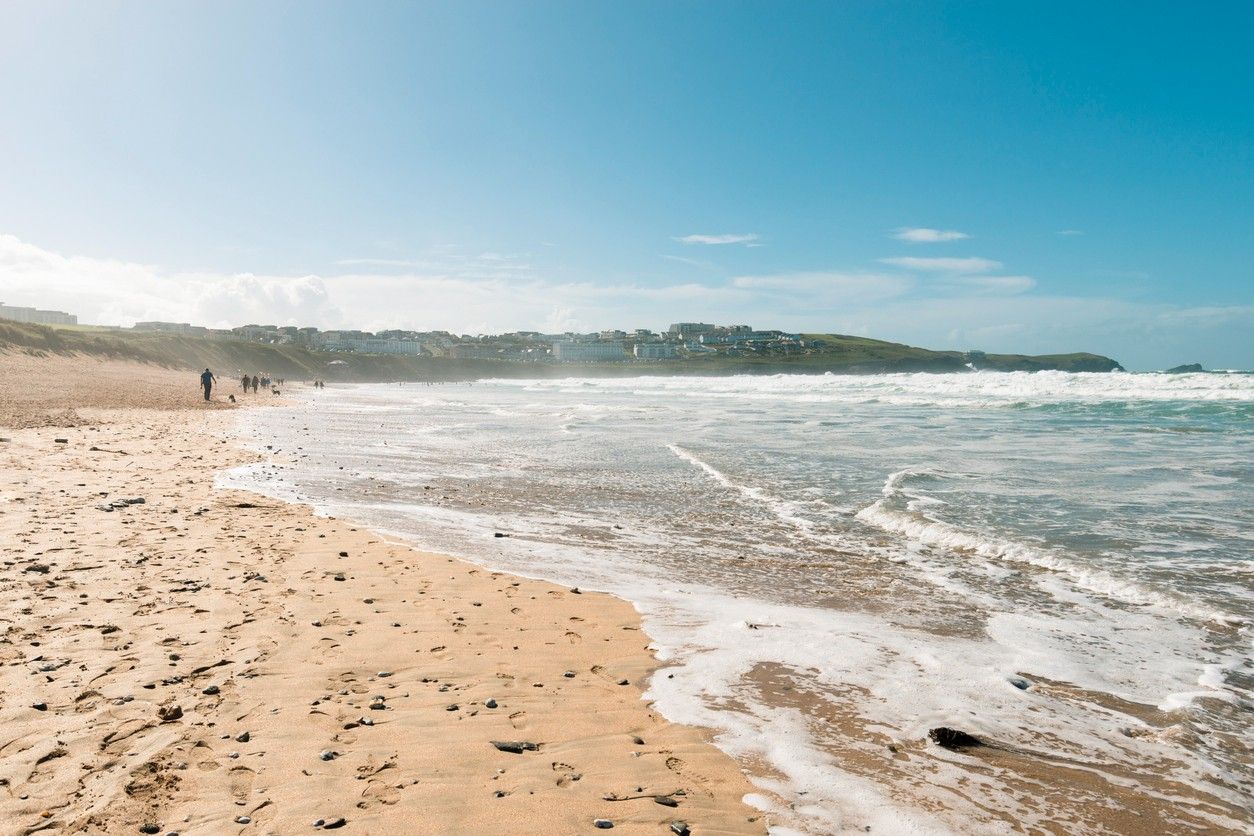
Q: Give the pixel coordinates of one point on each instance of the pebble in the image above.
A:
(680, 828)
(489, 703)
(604, 824)
(339, 577)
(211, 690)
(517, 747)
(327, 755)
(335, 823)
(452, 707)
(569, 674)
(149, 828)
(243, 738)
(384, 674)
(624, 682)
(40, 706)
(243, 820)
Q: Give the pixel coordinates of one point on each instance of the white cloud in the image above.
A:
(725, 238)
(1000, 284)
(927, 235)
(944, 265)
(818, 288)
(953, 309)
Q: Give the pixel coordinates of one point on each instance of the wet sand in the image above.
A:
(211, 661)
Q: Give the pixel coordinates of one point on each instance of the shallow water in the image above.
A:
(1060, 564)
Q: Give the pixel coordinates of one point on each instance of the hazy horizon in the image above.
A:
(953, 176)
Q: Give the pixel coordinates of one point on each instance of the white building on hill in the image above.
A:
(35, 315)
(573, 352)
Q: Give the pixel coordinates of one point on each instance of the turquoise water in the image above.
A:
(1060, 563)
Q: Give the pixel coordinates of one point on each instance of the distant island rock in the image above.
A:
(1186, 369)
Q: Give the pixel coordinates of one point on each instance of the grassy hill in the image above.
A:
(837, 354)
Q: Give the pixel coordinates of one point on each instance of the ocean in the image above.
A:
(1061, 565)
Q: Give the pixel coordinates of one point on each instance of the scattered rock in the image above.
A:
(452, 707)
(335, 824)
(339, 577)
(149, 828)
(211, 690)
(41, 568)
(40, 706)
(604, 824)
(500, 534)
(489, 703)
(170, 713)
(327, 755)
(1020, 683)
(665, 801)
(639, 741)
(60, 441)
(569, 674)
(517, 747)
(243, 737)
(243, 820)
(680, 828)
(343, 554)
(948, 738)
(624, 682)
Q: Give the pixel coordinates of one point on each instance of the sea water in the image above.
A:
(829, 566)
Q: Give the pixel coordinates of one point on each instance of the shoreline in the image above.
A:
(210, 656)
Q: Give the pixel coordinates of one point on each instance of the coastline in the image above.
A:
(209, 656)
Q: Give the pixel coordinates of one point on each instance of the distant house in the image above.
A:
(655, 351)
(36, 316)
(586, 352)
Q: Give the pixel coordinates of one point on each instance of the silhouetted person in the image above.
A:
(245, 381)
(206, 381)
(256, 380)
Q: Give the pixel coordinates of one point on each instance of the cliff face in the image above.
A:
(835, 353)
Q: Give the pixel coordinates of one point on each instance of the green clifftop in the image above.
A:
(831, 353)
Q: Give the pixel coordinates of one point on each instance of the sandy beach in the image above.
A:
(184, 659)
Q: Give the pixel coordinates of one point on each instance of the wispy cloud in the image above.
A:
(1000, 284)
(1070, 232)
(927, 235)
(944, 265)
(691, 262)
(725, 238)
(834, 286)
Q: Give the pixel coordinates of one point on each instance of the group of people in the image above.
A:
(254, 381)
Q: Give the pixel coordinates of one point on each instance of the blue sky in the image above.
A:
(1081, 173)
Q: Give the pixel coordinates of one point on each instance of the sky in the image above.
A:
(1023, 177)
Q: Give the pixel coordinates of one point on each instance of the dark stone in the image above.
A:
(149, 828)
(948, 738)
(40, 706)
(604, 824)
(500, 534)
(639, 741)
(335, 824)
(680, 828)
(243, 737)
(211, 690)
(517, 747)
(170, 713)
(666, 801)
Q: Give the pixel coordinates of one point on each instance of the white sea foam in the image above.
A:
(1033, 538)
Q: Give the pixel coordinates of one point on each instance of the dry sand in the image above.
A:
(209, 655)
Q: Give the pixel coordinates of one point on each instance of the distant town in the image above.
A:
(682, 340)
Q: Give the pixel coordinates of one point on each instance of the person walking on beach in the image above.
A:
(244, 382)
(255, 382)
(206, 381)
